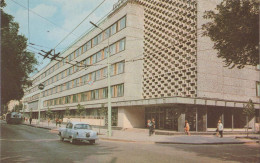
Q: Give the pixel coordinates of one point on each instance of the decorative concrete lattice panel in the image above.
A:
(169, 48)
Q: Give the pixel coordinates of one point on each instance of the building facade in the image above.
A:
(161, 67)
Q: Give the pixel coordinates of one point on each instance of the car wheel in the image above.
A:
(92, 142)
(61, 138)
(72, 141)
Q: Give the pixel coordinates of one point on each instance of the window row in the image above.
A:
(102, 93)
(89, 78)
(99, 56)
(116, 27)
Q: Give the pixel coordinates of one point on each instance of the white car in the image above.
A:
(78, 131)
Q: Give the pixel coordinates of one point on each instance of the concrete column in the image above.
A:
(206, 118)
(196, 119)
(181, 122)
(232, 120)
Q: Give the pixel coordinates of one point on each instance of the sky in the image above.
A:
(51, 20)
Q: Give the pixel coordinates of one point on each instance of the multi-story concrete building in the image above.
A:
(161, 67)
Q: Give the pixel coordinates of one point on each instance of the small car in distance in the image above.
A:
(78, 131)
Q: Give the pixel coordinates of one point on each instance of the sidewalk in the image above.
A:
(141, 136)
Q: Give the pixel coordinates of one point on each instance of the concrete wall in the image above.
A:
(215, 80)
(131, 117)
(97, 122)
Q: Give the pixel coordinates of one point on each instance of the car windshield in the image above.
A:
(82, 126)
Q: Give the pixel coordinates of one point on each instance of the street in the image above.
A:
(21, 143)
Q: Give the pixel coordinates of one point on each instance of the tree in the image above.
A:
(67, 111)
(16, 63)
(103, 112)
(18, 107)
(249, 112)
(234, 29)
(49, 113)
(80, 110)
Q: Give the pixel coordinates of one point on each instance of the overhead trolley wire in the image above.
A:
(42, 17)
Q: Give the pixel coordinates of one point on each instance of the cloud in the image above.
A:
(45, 10)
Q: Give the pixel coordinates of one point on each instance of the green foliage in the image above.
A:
(4, 109)
(67, 111)
(31, 112)
(49, 113)
(249, 109)
(102, 111)
(18, 107)
(80, 110)
(234, 29)
(16, 63)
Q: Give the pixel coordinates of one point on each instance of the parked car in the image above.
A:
(78, 131)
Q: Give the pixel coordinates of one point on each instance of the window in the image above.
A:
(96, 94)
(99, 56)
(112, 49)
(83, 97)
(112, 70)
(105, 92)
(70, 70)
(88, 61)
(105, 72)
(99, 38)
(92, 95)
(122, 45)
(122, 23)
(105, 52)
(98, 75)
(84, 48)
(93, 76)
(68, 85)
(106, 33)
(75, 98)
(70, 57)
(77, 53)
(120, 90)
(89, 45)
(258, 89)
(120, 67)
(112, 91)
(94, 58)
(113, 29)
(94, 41)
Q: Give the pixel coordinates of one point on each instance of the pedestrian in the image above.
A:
(30, 120)
(150, 126)
(57, 120)
(49, 121)
(217, 132)
(60, 120)
(187, 128)
(153, 129)
(220, 128)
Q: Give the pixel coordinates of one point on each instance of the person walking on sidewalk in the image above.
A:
(153, 122)
(30, 120)
(187, 128)
(220, 128)
(150, 126)
(57, 121)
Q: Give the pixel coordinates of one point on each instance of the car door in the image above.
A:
(66, 131)
(69, 130)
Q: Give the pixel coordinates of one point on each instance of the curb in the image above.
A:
(154, 142)
(38, 126)
(151, 142)
(219, 143)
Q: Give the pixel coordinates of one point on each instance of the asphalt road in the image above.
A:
(20, 143)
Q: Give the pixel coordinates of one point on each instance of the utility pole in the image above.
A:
(109, 111)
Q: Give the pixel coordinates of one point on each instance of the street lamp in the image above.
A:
(108, 82)
(41, 87)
